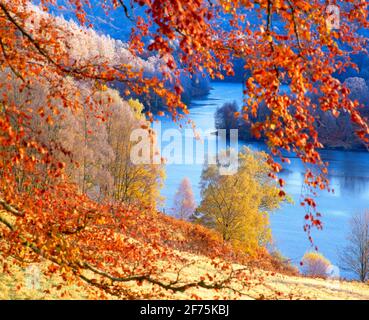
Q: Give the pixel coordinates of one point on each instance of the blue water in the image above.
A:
(349, 176)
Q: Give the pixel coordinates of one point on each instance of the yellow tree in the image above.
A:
(50, 219)
(137, 184)
(237, 205)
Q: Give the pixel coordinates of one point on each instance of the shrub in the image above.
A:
(314, 264)
(273, 261)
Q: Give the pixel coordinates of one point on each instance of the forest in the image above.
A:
(95, 203)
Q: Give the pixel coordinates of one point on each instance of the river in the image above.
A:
(349, 176)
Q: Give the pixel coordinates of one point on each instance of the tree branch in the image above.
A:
(7, 223)
(17, 74)
(78, 73)
(10, 208)
(293, 12)
(126, 10)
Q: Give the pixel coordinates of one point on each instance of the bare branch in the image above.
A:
(126, 10)
(10, 208)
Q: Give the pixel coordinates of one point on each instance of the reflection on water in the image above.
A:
(350, 185)
(349, 176)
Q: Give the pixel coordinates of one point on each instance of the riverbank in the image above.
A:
(348, 174)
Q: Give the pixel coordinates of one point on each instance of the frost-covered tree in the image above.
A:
(82, 136)
(355, 256)
(184, 202)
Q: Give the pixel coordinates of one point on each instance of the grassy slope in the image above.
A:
(273, 286)
(196, 244)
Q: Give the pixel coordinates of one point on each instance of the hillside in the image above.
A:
(267, 286)
(83, 163)
(181, 255)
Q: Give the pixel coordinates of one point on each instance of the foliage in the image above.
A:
(137, 184)
(314, 264)
(98, 150)
(335, 129)
(231, 116)
(237, 205)
(273, 261)
(45, 213)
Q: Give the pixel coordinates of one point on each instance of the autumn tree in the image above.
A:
(47, 211)
(133, 183)
(184, 202)
(355, 256)
(237, 206)
(44, 214)
(98, 151)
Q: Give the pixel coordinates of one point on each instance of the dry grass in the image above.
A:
(17, 285)
(271, 286)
